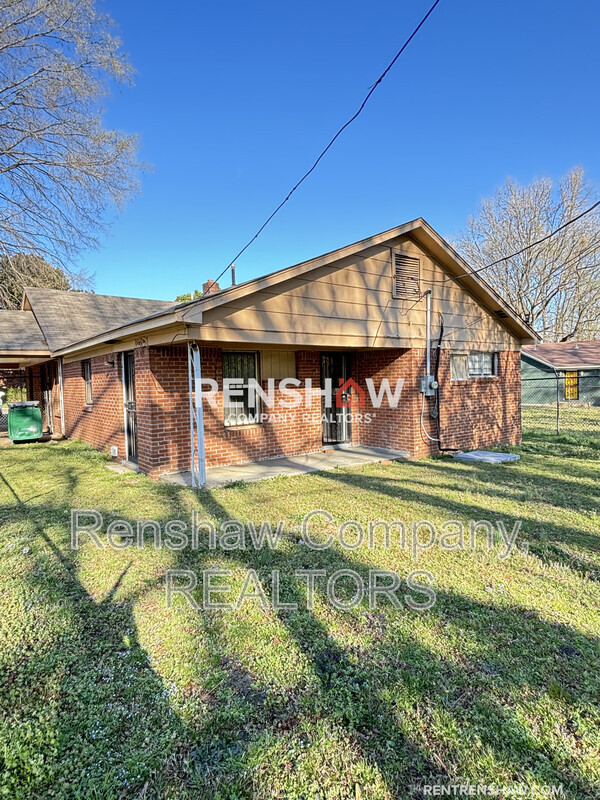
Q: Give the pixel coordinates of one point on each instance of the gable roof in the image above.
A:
(566, 355)
(19, 332)
(67, 317)
(418, 229)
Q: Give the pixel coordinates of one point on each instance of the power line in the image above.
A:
(340, 131)
(524, 249)
(533, 244)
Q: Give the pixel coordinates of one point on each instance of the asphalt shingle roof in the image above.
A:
(20, 331)
(567, 354)
(67, 317)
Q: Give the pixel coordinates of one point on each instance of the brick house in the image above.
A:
(125, 374)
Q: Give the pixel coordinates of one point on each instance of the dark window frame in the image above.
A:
(86, 369)
(239, 413)
(571, 389)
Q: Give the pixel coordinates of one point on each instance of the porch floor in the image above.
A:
(295, 465)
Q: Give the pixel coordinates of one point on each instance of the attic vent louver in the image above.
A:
(406, 276)
(500, 313)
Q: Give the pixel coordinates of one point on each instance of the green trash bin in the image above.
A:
(24, 421)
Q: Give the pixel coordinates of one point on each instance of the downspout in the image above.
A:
(428, 332)
(428, 386)
(197, 451)
(437, 394)
(61, 397)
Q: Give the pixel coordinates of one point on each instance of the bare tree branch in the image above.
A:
(61, 171)
(555, 286)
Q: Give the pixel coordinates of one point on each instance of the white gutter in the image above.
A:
(197, 452)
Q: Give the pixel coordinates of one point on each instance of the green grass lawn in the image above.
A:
(580, 421)
(107, 694)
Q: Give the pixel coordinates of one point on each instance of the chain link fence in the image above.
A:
(563, 404)
(13, 387)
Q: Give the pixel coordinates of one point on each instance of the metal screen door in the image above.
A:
(336, 421)
(129, 403)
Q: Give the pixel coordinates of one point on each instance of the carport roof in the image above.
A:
(66, 317)
(19, 332)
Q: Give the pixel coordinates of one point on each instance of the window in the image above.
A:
(483, 365)
(87, 377)
(459, 367)
(407, 283)
(240, 404)
(571, 386)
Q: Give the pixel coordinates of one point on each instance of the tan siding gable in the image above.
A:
(350, 303)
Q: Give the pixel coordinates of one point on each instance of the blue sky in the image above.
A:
(233, 101)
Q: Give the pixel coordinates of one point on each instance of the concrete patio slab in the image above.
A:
(296, 465)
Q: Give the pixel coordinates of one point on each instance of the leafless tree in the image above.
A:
(555, 286)
(61, 170)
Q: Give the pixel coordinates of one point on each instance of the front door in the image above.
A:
(129, 402)
(336, 421)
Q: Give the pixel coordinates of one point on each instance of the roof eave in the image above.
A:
(433, 241)
(124, 331)
(561, 368)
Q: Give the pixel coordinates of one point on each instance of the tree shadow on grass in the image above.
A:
(85, 715)
(103, 721)
(514, 652)
(549, 544)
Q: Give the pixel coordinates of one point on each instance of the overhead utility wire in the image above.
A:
(340, 131)
(533, 244)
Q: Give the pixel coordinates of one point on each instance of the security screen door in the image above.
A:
(336, 421)
(129, 402)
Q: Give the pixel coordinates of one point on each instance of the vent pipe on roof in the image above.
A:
(233, 274)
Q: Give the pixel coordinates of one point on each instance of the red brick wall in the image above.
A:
(390, 428)
(163, 415)
(481, 411)
(478, 413)
(100, 424)
(164, 421)
(297, 430)
(474, 414)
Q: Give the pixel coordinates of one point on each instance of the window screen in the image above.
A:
(483, 365)
(238, 409)
(459, 367)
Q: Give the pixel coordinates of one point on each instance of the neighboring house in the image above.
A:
(569, 370)
(119, 373)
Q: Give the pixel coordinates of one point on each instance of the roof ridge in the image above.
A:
(74, 292)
